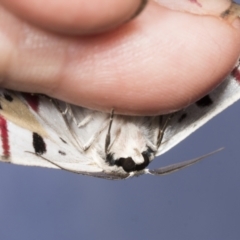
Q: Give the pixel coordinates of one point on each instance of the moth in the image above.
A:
(36, 130)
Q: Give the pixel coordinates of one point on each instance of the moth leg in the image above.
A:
(96, 135)
(93, 139)
(68, 110)
(162, 128)
(85, 121)
(108, 136)
(100, 174)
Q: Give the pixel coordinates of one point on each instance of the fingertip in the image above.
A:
(78, 17)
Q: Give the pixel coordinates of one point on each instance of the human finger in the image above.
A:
(160, 62)
(75, 16)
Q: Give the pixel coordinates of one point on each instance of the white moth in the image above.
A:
(38, 131)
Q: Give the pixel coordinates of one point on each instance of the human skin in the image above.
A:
(159, 62)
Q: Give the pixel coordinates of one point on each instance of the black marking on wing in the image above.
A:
(182, 117)
(62, 153)
(8, 97)
(1, 107)
(204, 102)
(39, 144)
(63, 140)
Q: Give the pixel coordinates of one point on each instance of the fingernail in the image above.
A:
(142, 5)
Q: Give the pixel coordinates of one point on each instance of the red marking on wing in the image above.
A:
(32, 100)
(4, 137)
(236, 73)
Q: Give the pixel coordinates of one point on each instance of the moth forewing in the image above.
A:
(188, 120)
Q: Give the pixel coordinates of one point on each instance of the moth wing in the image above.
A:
(22, 153)
(40, 137)
(78, 126)
(190, 119)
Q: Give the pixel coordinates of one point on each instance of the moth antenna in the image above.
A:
(85, 121)
(69, 111)
(97, 174)
(178, 166)
(66, 109)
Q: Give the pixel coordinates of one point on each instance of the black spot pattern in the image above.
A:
(204, 102)
(183, 116)
(38, 144)
(63, 140)
(8, 97)
(62, 153)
